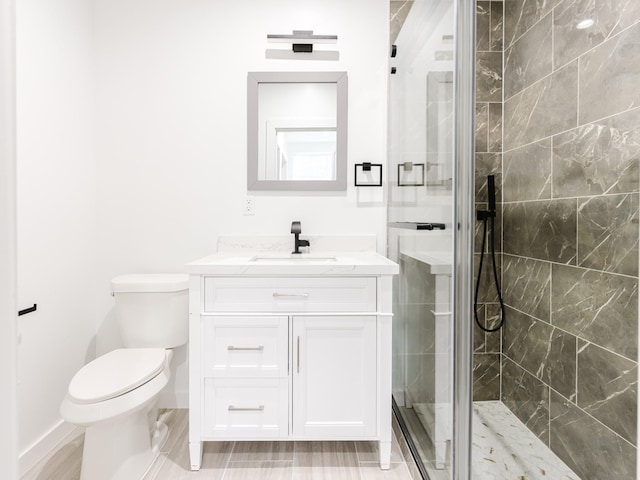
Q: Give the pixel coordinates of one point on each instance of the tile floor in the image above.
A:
(240, 460)
(503, 449)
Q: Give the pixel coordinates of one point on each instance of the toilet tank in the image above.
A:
(152, 309)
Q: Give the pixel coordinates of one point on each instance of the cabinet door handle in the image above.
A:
(301, 295)
(260, 347)
(246, 409)
(298, 358)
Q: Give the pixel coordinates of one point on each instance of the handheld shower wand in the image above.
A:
(484, 216)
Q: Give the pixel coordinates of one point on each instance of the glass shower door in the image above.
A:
(430, 230)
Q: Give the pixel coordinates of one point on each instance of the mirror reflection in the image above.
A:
(297, 137)
(304, 154)
(297, 130)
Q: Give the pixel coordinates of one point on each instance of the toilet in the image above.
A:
(115, 395)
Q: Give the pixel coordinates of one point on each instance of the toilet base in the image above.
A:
(123, 448)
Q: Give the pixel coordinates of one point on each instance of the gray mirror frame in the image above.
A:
(254, 79)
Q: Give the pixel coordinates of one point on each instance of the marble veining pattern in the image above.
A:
(528, 59)
(482, 127)
(399, 10)
(520, 15)
(527, 397)
(504, 449)
(527, 172)
(543, 350)
(489, 315)
(495, 127)
(487, 291)
(497, 26)
(547, 107)
(489, 46)
(609, 17)
(488, 164)
(609, 76)
(486, 376)
(483, 25)
(596, 306)
(608, 233)
(598, 158)
(545, 230)
(527, 285)
(572, 136)
(489, 76)
(608, 389)
(588, 447)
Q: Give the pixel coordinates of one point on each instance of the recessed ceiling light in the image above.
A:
(586, 23)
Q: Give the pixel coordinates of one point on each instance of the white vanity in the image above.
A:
(290, 347)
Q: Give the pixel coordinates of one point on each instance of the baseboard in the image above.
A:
(31, 455)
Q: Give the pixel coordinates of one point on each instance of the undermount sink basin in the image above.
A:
(292, 258)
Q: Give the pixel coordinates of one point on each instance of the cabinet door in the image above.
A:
(334, 377)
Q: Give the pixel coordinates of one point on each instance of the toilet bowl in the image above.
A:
(115, 395)
(116, 411)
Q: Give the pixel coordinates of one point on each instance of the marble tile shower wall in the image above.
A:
(570, 192)
(489, 47)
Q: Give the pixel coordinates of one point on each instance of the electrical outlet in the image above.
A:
(249, 205)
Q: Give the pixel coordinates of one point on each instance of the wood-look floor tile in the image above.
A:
(266, 470)
(397, 471)
(176, 420)
(262, 451)
(369, 452)
(64, 462)
(325, 460)
(176, 464)
(237, 460)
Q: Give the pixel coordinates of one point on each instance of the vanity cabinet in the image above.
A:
(289, 358)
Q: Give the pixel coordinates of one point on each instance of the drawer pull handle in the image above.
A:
(246, 409)
(260, 347)
(301, 295)
(298, 352)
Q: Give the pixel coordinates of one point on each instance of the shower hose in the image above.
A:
(495, 276)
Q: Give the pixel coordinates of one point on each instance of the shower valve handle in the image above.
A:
(485, 214)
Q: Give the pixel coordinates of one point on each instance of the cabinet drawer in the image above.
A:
(337, 294)
(245, 409)
(245, 346)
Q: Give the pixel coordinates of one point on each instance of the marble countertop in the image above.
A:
(272, 263)
(439, 262)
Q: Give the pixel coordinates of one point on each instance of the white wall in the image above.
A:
(56, 208)
(171, 129)
(8, 308)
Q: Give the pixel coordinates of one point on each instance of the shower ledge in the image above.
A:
(440, 263)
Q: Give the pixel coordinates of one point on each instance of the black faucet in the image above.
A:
(296, 229)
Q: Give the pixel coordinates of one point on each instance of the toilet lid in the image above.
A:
(116, 373)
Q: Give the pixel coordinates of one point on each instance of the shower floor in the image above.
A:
(503, 447)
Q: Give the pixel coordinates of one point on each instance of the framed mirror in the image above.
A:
(297, 131)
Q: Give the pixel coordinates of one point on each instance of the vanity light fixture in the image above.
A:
(302, 40)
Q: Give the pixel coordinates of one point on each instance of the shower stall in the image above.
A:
(532, 107)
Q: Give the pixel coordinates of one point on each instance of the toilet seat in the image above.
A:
(116, 373)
